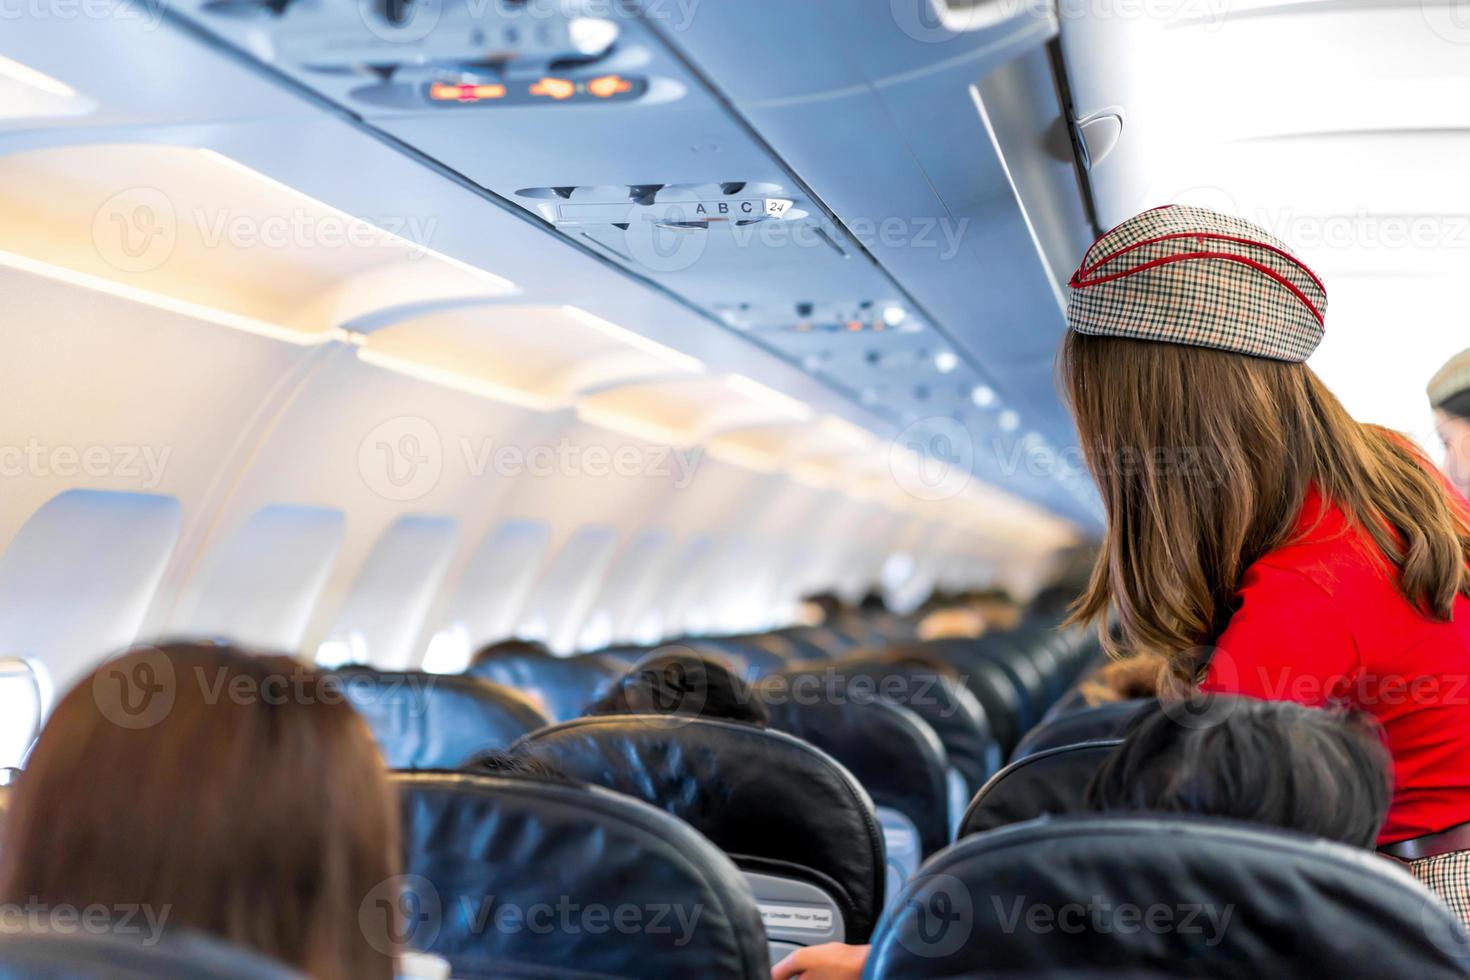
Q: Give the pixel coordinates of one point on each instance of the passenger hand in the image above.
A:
(830, 961)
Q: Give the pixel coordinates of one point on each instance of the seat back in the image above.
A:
(562, 687)
(1084, 724)
(892, 751)
(789, 815)
(69, 952)
(945, 703)
(531, 878)
(436, 721)
(999, 694)
(1186, 897)
(1050, 782)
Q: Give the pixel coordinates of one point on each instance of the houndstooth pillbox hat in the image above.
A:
(1188, 275)
(1450, 380)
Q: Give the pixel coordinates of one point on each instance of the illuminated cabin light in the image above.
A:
(946, 361)
(854, 326)
(983, 396)
(894, 315)
(1008, 421)
(592, 35)
(554, 88)
(607, 86)
(445, 92)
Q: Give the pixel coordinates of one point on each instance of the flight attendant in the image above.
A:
(1258, 537)
(1449, 396)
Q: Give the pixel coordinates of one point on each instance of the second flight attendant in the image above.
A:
(1449, 396)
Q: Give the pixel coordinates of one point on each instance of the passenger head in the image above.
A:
(683, 684)
(512, 646)
(515, 763)
(1449, 396)
(1140, 675)
(253, 806)
(1205, 429)
(820, 608)
(1311, 770)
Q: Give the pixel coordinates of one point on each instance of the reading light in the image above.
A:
(591, 35)
(983, 396)
(894, 315)
(1008, 421)
(171, 304)
(946, 361)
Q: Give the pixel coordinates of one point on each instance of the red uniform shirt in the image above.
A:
(1321, 621)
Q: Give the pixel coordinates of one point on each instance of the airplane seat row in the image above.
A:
(562, 686)
(525, 877)
(1082, 724)
(1047, 783)
(436, 721)
(800, 826)
(896, 757)
(1186, 897)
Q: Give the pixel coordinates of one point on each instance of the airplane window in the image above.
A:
(632, 584)
(499, 579)
(80, 575)
(569, 586)
(449, 651)
(22, 706)
(263, 583)
(391, 596)
(341, 649)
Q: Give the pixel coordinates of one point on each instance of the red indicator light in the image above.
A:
(554, 88)
(854, 326)
(607, 86)
(441, 92)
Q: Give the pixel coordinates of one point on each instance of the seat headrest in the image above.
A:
(521, 877)
(775, 804)
(1050, 782)
(942, 700)
(436, 721)
(562, 686)
(990, 682)
(894, 754)
(1083, 724)
(1188, 897)
(180, 954)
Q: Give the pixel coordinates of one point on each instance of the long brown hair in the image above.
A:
(232, 793)
(1204, 459)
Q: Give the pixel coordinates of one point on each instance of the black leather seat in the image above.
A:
(1087, 724)
(797, 822)
(1186, 897)
(33, 954)
(893, 752)
(1050, 782)
(516, 877)
(562, 687)
(950, 708)
(993, 685)
(750, 661)
(437, 721)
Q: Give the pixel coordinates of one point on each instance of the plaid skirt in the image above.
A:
(1448, 876)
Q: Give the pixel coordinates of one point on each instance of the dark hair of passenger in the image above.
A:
(828, 602)
(1315, 771)
(1457, 405)
(516, 764)
(512, 645)
(873, 601)
(254, 807)
(683, 684)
